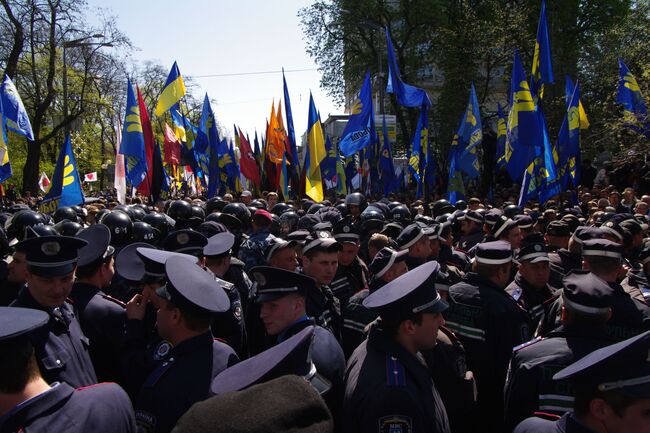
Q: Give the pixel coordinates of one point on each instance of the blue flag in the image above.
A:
(132, 146)
(470, 135)
(629, 95)
(328, 166)
(14, 110)
(389, 181)
(65, 189)
(501, 137)
(358, 131)
(455, 184)
(420, 141)
(407, 95)
(5, 164)
(567, 150)
(206, 137)
(291, 133)
(542, 72)
(524, 132)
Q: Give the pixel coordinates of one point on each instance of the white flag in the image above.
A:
(44, 182)
(120, 176)
(90, 177)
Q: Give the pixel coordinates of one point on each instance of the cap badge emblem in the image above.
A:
(182, 238)
(50, 248)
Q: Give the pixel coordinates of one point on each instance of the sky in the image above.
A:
(229, 37)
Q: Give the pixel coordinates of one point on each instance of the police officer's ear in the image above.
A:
(601, 410)
(407, 327)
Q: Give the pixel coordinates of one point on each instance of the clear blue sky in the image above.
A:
(224, 37)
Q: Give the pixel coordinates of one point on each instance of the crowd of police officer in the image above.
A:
(396, 317)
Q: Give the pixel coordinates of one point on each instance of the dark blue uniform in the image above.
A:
(387, 389)
(357, 317)
(325, 308)
(349, 280)
(102, 319)
(252, 250)
(61, 347)
(180, 380)
(567, 424)
(489, 323)
(229, 325)
(529, 388)
(103, 408)
(530, 298)
(637, 285)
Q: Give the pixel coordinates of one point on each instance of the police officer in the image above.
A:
(281, 295)
(557, 235)
(636, 283)
(102, 318)
(252, 250)
(630, 316)
(351, 273)
(14, 280)
(387, 386)
(612, 390)
(229, 325)
(320, 261)
(185, 305)
(28, 403)
(530, 287)
(507, 230)
(471, 226)
(387, 265)
(489, 323)
(414, 239)
(564, 260)
(282, 254)
(61, 347)
(585, 311)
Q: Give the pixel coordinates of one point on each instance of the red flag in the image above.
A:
(145, 187)
(172, 147)
(247, 163)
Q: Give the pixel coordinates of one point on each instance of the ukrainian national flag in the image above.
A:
(173, 91)
(316, 153)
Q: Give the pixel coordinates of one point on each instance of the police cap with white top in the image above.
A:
(52, 256)
(602, 248)
(493, 253)
(274, 283)
(586, 293)
(410, 236)
(185, 241)
(98, 249)
(219, 245)
(384, 259)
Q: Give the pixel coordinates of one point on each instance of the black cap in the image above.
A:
(586, 293)
(409, 294)
(409, 236)
(98, 249)
(602, 248)
(128, 263)
(185, 241)
(292, 356)
(558, 228)
(277, 244)
(392, 230)
(322, 241)
(346, 232)
(586, 233)
(524, 221)
(624, 367)
(15, 321)
(384, 259)
(219, 245)
(299, 236)
(502, 225)
(644, 255)
(612, 228)
(190, 288)
(533, 252)
(274, 283)
(52, 256)
(490, 217)
(472, 215)
(493, 253)
(154, 260)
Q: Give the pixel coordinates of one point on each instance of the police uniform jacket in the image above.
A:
(102, 408)
(467, 242)
(530, 387)
(102, 319)
(636, 285)
(567, 424)
(180, 380)
(357, 317)
(349, 280)
(237, 276)
(489, 323)
(325, 308)
(630, 316)
(252, 249)
(387, 389)
(561, 263)
(229, 325)
(530, 298)
(61, 347)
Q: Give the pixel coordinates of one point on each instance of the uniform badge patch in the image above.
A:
(395, 424)
(162, 350)
(144, 422)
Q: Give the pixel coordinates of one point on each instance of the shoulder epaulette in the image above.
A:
(553, 298)
(547, 416)
(526, 344)
(114, 300)
(155, 376)
(395, 373)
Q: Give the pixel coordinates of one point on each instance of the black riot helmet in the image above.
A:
(401, 214)
(214, 204)
(181, 212)
(511, 210)
(159, 222)
(137, 213)
(21, 220)
(372, 220)
(67, 228)
(144, 232)
(289, 222)
(65, 213)
(121, 227)
(356, 201)
(239, 211)
(442, 207)
(280, 208)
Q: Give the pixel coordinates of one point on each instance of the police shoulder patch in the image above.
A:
(528, 343)
(395, 424)
(161, 350)
(395, 373)
(145, 422)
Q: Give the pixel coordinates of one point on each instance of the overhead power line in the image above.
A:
(236, 74)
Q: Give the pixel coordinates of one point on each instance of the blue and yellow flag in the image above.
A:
(316, 153)
(14, 111)
(173, 91)
(132, 146)
(542, 72)
(227, 167)
(501, 137)
(291, 133)
(341, 174)
(5, 164)
(65, 189)
(455, 184)
(568, 90)
(389, 181)
(206, 136)
(567, 149)
(629, 95)
(358, 131)
(407, 95)
(328, 166)
(284, 178)
(420, 141)
(470, 136)
(524, 132)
